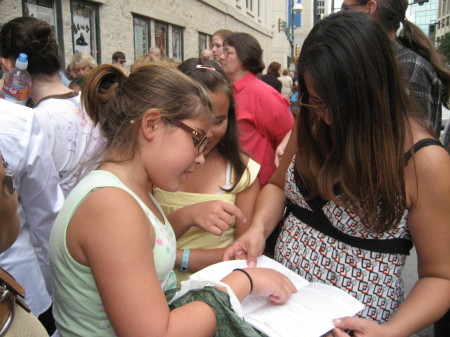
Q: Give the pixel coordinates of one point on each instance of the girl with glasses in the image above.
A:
(112, 249)
(364, 180)
(222, 191)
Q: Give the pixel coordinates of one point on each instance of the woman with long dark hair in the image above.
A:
(364, 180)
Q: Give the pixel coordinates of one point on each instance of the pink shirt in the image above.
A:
(264, 118)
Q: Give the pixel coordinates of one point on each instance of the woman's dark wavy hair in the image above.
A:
(348, 58)
(214, 79)
(248, 50)
(36, 39)
(392, 13)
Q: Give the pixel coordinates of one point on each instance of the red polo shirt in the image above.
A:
(264, 118)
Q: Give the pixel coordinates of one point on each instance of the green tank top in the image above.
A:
(77, 306)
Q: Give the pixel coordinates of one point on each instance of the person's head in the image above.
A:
(391, 14)
(156, 117)
(155, 52)
(242, 52)
(223, 134)
(353, 117)
(82, 64)
(207, 54)
(36, 39)
(274, 69)
(143, 59)
(119, 58)
(217, 42)
(77, 83)
(174, 62)
(285, 72)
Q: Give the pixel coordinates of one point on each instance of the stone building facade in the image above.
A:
(181, 27)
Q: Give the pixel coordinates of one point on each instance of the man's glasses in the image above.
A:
(312, 106)
(200, 141)
(122, 61)
(345, 7)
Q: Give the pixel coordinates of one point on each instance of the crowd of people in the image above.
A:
(129, 182)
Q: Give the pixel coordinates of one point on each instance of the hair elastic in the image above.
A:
(200, 66)
(249, 278)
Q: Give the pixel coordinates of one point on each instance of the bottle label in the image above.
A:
(15, 94)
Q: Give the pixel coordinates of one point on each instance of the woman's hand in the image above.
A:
(361, 328)
(248, 246)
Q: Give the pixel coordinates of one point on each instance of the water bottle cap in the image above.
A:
(22, 61)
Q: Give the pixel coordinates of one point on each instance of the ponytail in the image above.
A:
(102, 84)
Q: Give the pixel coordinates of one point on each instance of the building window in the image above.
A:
(249, 5)
(141, 28)
(85, 33)
(204, 42)
(50, 12)
(177, 42)
(161, 36)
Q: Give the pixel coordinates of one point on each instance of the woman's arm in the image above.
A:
(428, 222)
(268, 212)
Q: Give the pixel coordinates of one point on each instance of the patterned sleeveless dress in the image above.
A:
(374, 278)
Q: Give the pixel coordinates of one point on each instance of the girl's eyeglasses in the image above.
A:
(200, 140)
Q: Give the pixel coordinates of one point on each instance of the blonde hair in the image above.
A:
(82, 57)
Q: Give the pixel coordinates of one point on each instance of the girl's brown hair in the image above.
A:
(117, 102)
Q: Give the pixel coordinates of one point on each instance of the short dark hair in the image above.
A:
(36, 39)
(118, 55)
(248, 50)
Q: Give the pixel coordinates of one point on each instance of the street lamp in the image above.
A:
(296, 8)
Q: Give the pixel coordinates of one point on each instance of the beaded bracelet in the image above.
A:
(249, 278)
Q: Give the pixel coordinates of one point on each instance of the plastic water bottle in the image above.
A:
(17, 83)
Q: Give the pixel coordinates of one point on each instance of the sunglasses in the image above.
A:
(200, 140)
(8, 179)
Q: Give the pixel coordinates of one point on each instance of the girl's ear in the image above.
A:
(7, 64)
(150, 119)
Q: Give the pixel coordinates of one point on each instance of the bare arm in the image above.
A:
(9, 218)
(122, 239)
(429, 215)
(268, 212)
